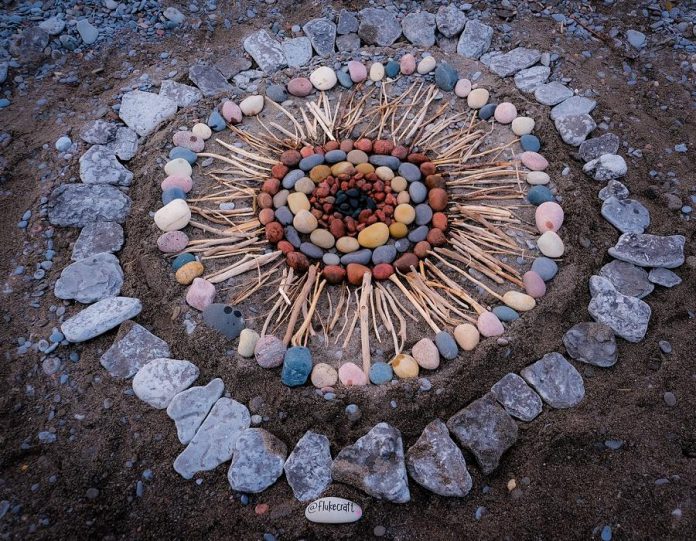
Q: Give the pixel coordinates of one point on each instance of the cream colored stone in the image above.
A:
(550, 244)
(347, 245)
(178, 167)
(252, 105)
(202, 130)
(305, 222)
(426, 65)
(522, 125)
(467, 336)
(404, 198)
(538, 177)
(477, 98)
(322, 238)
(298, 201)
(384, 173)
(404, 366)
(377, 71)
(323, 78)
(519, 301)
(323, 375)
(247, 343)
(173, 216)
(399, 184)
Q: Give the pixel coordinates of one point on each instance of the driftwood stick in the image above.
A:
(299, 302)
(364, 310)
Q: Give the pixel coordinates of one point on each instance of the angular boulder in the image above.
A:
(133, 348)
(257, 461)
(308, 468)
(557, 381)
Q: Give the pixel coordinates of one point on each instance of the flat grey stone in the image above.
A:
(133, 348)
(348, 42)
(574, 129)
(511, 62)
(475, 40)
(98, 238)
(664, 277)
(98, 132)
(627, 278)
(600, 284)
(614, 188)
(214, 441)
(209, 80)
(53, 26)
(347, 22)
(99, 166)
(182, 95)
(557, 381)
(232, 64)
(627, 316)
(650, 250)
(486, 430)
(99, 318)
(592, 343)
(257, 461)
(322, 33)
(636, 38)
(527, 80)
(375, 465)
(378, 27)
(436, 463)
(575, 105)
(77, 205)
(298, 51)
(29, 45)
(88, 32)
(189, 408)
(91, 279)
(125, 144)
(626, 215)
(518, 398)
(419, 28)
(266, 51)
(598, 146)
(606, 167)
(308, 468)
(144, 111)
(552, 93)
(162, 379)
(450, 20)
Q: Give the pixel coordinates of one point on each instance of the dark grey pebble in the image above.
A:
(224, 318)
(344, 79)
(277, 93)
(292, 236)
(486, 112)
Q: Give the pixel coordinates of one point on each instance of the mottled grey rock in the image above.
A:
(518, 398)
(29, 46)
(650, 250)
(232, 64)
(375, 464)
(627, 316)
(626, 215)
(322, 33)
(144, 111)
(575, 105)
(664, 277)
(599, 284)
(450, 20)
(308, 468)
(99, 166)
(606, 167)
(88, 32)
(378, 27)
(627, 278)
(189, 408)
(552, 93)
(348, 42)
(636, 38)
(182, 95)
(557, 381)
(91, 279)
(347, 22)
(161, 379)
(133, 348)
(592, 343)
(214, 441)
(419, 28)
(99, 318)
(298, 51)
(124, 144)
(436, 463)
(257, 461)
(76, 205)
(598, 146)
(486, 430)
(98, 132)
(511, 62)
(209, 80)
(527, 80)
(614, 188)
(475, 40)
(52, 26)
(98, 238)
(266, 51)
(574, 129)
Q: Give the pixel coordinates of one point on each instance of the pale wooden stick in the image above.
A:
(363, 308)
(299, 302)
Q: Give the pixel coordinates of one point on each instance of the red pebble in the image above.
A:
(290, 157)
(400, 152)
(297, 261)
(347, 145)
(440, 221)
(405, 262)
(428, 168)
(264, 200)
(363, 144)
(285, 247)
(271, 186)
(435, 181)
(382, 146)
(261, 508)
(279, 170)
(436, 237)
(266, 216)
(421, 249)
(337, 229)
(417, 158)
(334, 274)
(306, 151)
(355, 273)
(331, 145)
(274, 232)
(437, 199)
(382, 271)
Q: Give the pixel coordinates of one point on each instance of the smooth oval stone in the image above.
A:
(269, 351)
(550, 244)
(335, 156)
(505, 313)
(247, 343)
(446, 77)
(172, 241)
(462, 88)
(311, 250)
(537, 178)
(181, 260)
(522, 125)
(405, 366)
(284, 215)
(323, 375)
(188, 272)
(305, 185)
(426, 65)
(519, 301)
(402, 245)
(549, 216)
(331, 259)
(351, 374)
(292, 236)
(322, 238)
(231, 112)
(304, 222)
(530, 143)
(186, 139)
(216, 122)
(291, 178)
(533, 161)
(477, 98)
(384, 173)
(251, 105)
(344, 79)
(545, 267)
(534, 284)
(392, 69)
(418, 192)
(298, 201)
(333, 510)
(404, 214)
(399, 184)
(200, 294)
(407, 64)
(178, 167)
(202, 130)
(487, 111)
(361, 257)
(418, 234)
(383, 254)
(276, 93)
(381, 373)
(376, 71)
(373, 235)
(225, 319)
(300, 87)
(505, 113)
(426, 354)
(467, 336)
(170, 194)
(297, 366)
(172, 216)
(185, 183)
(356, 156)
(424, 214)
(323, 78)
(311, 161)
(488, 324)
(538, 195)
(391, 162)
(446, 345)
(409, 171)
(184, 153)
(281, 198)
(357, 71)
(347, 245)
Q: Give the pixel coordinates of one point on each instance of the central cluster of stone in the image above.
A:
(354, 205)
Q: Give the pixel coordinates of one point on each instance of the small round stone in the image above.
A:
(403, 198)
(276, 93)
(297, 201)
(305, 185)
(297, 366)
(426, 354)
(305, 222)
(323, 78)
(181, 260)
(357, 71)
(330, 259)
(300, 87)
(392, 69)
(377, 71)
(410, 172)
(446, 77)
(538, 195)
(322, 238)
(383, 254)
(247, 343)
(550, 244)
(323, 375)
(381, 373)
(446, 345)
(319, 173)
(426, 65)
(530, 143)
(505, 113)
(463, 88)
(487, 111)
(202, 130)
(505, 313)
(188, 272)
(418, 192)
(548, 216)
(424, 214)
(437, 199)
(374, 235)
(545, 267)
(384, 173)
(231, 112)
(311, 250)
(171, 194)
(467, 336)
(398, 230)
(252, 105)
(519, 301)
(477, 98)
(405, 214)
(489, 325)
(347, 245)
(344, 79)
(335, 156)
(533, 161)
(357, 156)
(311, 161)
(173, 216)
(184, 183)
(404, 366)
(418, 234)
(533, 284)
(399, 184)
(522, 125)
(537, 178)
(178, 167)
(407, 64)
(351, 374)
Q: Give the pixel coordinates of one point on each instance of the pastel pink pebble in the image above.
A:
(357, 71)
(488, 324)
(201, 294)
(352, 374)
(534, 284)
(231, 112)
(300, 87)
(463, 88)
(177, 181)
(187, 139)
(533, 161)
(505, 113)
(172, 241)
(407, 64)
(549, 216)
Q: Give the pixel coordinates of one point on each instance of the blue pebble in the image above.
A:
(381, 373)
(306, 164)
(64, 379)
(487, 111)
(181, 260)
(446, 345)
(170, 194)
(545, 267)
(446, 77)
(292, 236)
(329, 396)
(311, 250)
(402, 245)
(181, 152)
(292, 177)
(409, 171)
(418, 234)
(361, 256)
(505, 313)
(49, 254)
(538, 195)
(296, 366)
(56, 336)
(335, 156)
(244, 499)
(383, 254)
(391, 162)
(46, 265)
(284, 216)
(63, 144)
(417, 192)
(277, 93)
(392, 69)
(216, 122)
(4, 102)
(27, 215)
(530, 143)
(606, 533)
(74, 356)
(23, 224)
(424, 214)
(344, 79)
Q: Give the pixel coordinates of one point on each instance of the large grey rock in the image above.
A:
(232, 64)
(574, 129)
(144, 111)
(133, 348)
(650, 250)
(557, 381)
(552, 93)
(419, 28)
(575, 105)
(308, 468)
(518, 398)
(627, 316)
(528, 80)
(91, 279)
(347, 22)
(475, 40)
(626, 215)
(99, 166)
(99, 318)
(486, 430)
(614, 188)
(88, 32)
(266, 51)
(97, 238)
(124, 144)
(182, 95)
(375, 464)
(162, 379)
(214, 441)
(189, 408)
(664, 277)
(98, 132)
(606, 167)
(322, 33)
(450, 20)
(29, 46)
(599, 284)
(209, 80)
(591, 343)
(298, 51)
(511, 62)
(627, 278)
(77, 205)
(378, 27)
(348, 43)
(53, 26)
(436, 463)
(597, 146)
(257, 461)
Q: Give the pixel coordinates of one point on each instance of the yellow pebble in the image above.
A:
(519, 301)
(319, 173)
(405, 214)
(342, 168)
(298, 201)
(384, 173)
(365, 168)
(374, 235)
(404, 366)
(323, 375)
(399, 184)
(189, 271)
(467, 336)
(398, 230)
